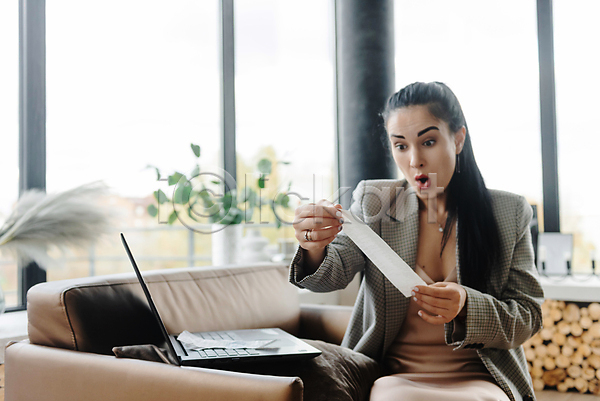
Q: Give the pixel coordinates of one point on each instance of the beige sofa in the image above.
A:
(74, 324)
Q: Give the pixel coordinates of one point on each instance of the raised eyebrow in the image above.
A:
(426, 130)
(422, 132)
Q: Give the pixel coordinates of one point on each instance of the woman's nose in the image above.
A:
(416, 159)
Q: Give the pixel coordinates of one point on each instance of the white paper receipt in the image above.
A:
(196, 342)
(400, 274)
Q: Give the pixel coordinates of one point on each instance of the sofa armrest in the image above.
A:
(36, 372)
(324, 322)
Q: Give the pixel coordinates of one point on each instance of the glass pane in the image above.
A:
(285, 101)
(486, 52)
(9, 134)
(576, 34)
(135, 86)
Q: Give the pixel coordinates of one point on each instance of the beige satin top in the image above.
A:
(420, 346)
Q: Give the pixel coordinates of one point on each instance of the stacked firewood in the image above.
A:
(565, 354)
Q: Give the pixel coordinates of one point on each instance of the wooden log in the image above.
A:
(559, 338)
(574, 371)
(553, 350)
(577, 358)
(538, 384)
(565, 350)
(595, 346)
(597, 373)
(574, 342)
(584, 312)
(571, 313)
(537, 373)
(547, 332)
(536, 340)
(553, 377)
(549, 363)
(594, 330)
(594, 310)
(565, 385)
(586, 322)
(538, 363)
(530, 354)
(541, 350)
(594, 361)
(562, 361)
(587, 337)
(585, 349)
(576, 329)
(588, 373)
(581, 385)
(555, 314)
(563, 327)
(594, 386)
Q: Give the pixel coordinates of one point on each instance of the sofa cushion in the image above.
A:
(95, 314)
(337, 374)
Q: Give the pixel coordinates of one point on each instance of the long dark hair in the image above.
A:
(467, 197)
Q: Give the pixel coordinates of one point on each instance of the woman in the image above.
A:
(459, 337)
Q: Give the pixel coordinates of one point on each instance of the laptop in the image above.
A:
(281, 346)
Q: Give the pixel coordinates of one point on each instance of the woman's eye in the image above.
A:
(429, 142)
(400, 146)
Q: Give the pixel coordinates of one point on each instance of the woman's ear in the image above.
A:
(459, 139)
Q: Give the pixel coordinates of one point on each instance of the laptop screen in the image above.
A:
(150, 301)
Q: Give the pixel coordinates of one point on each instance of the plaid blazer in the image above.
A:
(497, 322)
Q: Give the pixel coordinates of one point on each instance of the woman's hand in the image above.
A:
(316, 225)
(441, 302)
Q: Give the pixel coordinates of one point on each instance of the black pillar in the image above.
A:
(548, 116)
(32, 115)
(365, 79)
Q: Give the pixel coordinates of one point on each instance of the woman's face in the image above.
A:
(424, 148)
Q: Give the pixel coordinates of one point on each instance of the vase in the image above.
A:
(254, 247)
(226, 244)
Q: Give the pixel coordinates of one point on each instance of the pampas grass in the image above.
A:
(71, 218)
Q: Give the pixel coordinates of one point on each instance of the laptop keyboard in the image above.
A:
(223, 352)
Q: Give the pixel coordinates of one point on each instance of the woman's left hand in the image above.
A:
(441, 302)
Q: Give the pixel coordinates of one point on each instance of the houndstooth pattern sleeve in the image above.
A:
(511, 312)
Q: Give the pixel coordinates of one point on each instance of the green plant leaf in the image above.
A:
(264, 166)
(172, 217)
(152, 210)
(182, 194)
(195, 149)
(175, 177)
(160, 197)
(261, 182)
(155, 169)
(195, 172)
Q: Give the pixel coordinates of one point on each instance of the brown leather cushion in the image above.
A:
(337, 374)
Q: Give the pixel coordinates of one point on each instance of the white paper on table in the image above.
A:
(400, 274)
(196, 342)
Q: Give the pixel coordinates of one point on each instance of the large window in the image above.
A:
(131, 84)
(9, 134)
(576, 35)
(285, 98)
(487, 54)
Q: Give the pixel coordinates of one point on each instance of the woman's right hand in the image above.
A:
(316, 226)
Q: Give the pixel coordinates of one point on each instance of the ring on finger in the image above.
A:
(308, 235)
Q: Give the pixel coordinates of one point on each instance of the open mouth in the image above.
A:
(422, 181)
